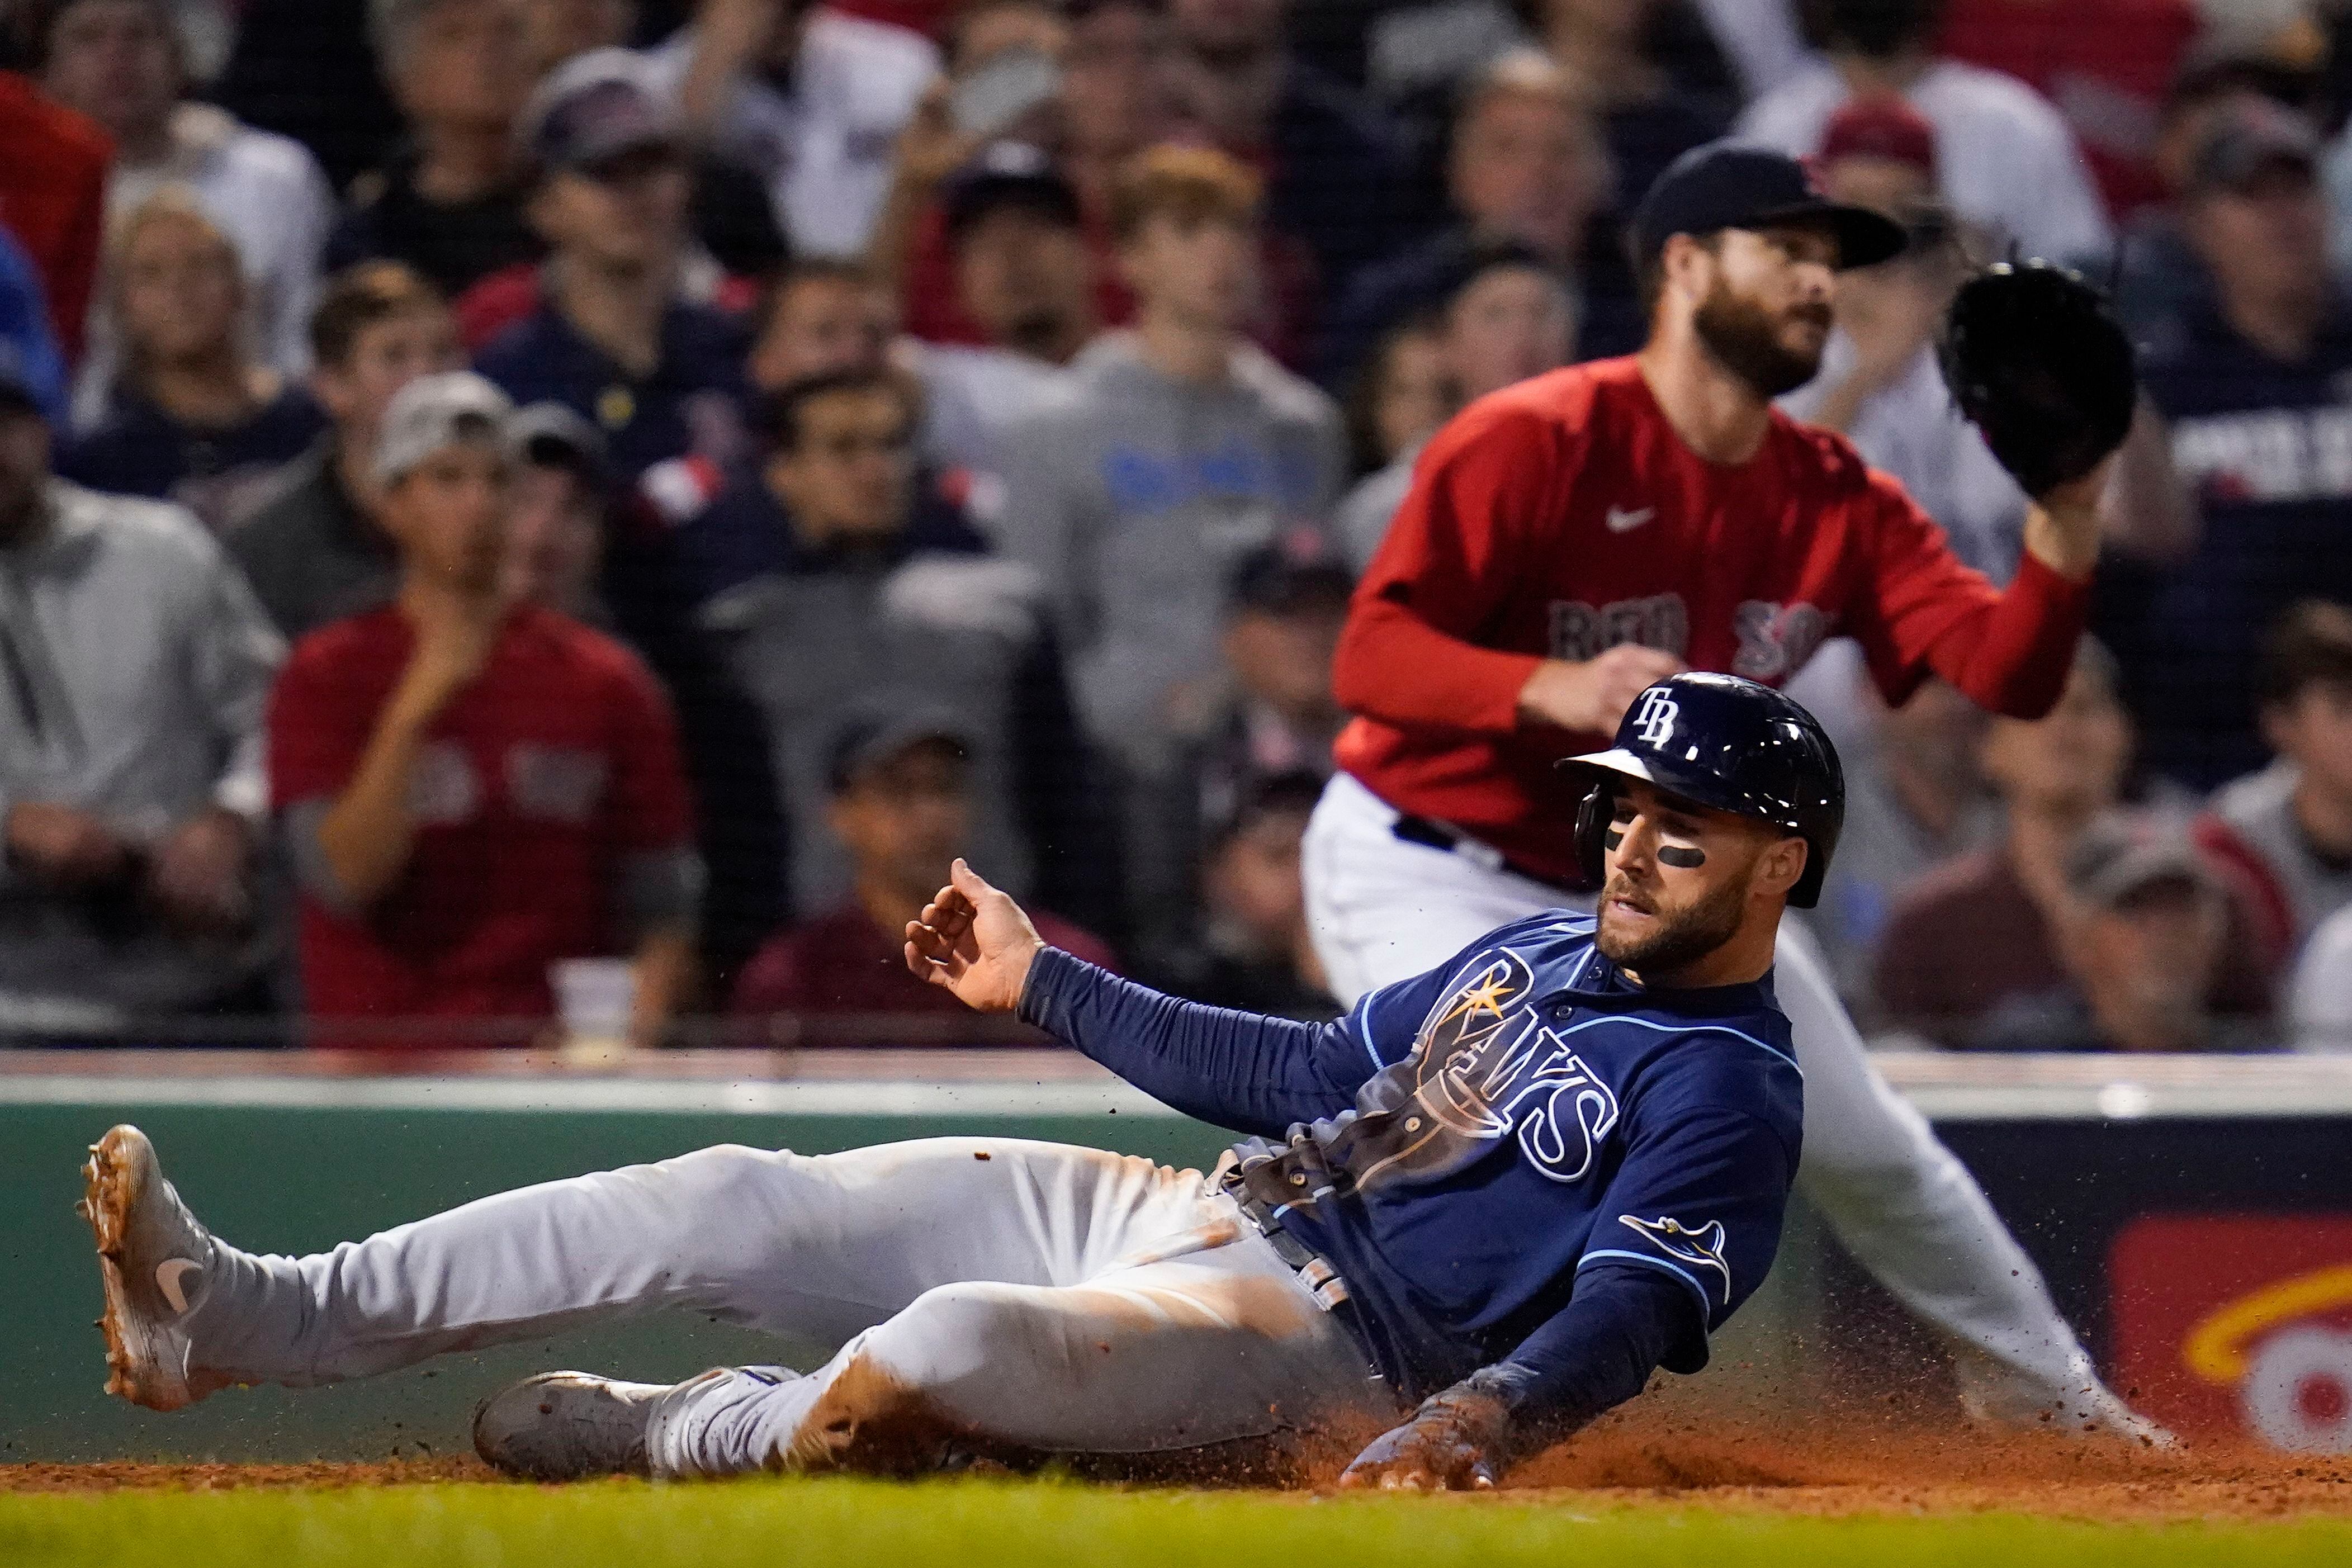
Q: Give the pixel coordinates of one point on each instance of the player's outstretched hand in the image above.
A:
(1455, 1442)
(975, 940)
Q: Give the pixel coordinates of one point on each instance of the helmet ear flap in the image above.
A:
(1592, 814)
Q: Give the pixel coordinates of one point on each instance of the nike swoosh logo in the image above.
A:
(1621, 521)
(168, 1275)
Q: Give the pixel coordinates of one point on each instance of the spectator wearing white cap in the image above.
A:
(473, 790)
(123, 64)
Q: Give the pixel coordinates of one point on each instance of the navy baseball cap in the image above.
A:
(595, 109)
(1724, 186)
(877, 732)
(1008, 174)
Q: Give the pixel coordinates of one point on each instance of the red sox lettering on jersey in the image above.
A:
(1564, 517)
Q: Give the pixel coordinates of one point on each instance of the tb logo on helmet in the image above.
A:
(1655, 717)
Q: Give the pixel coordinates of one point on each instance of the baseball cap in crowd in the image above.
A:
(1883, 128)
(553, 435)
(1288, 579)
(2123, 855)
(2247, 137)
(1008, 174)
(871, 736)
(435, 411)
(595, 108)
(1725, 186)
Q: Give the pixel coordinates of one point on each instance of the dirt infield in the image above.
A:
(1881, 1473)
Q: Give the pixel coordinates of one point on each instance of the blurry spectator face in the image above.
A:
(2265, 238)
(555, 30)
(1508, 324)
(1937, 733)
(1229, 27)
(1202, 272)
(1025, 279)
(553, 542)
(1415, 391)
(820, 325)
(1618, 22)
(1888, 185)
(449, 514)
(1253, 881)
(2314, 730)
(1763, 309)
(385, 356)
(985, 31)
(906, 818)
(1528, 166)
(24, 468)
(1284, 660)
(1114, 86)
(117, 61)
(178, 289)
(626, 214)
(2070, 763)
(2148, 965)
(850, 473)
(464, 65)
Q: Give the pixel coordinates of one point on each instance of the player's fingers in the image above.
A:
(969, 883)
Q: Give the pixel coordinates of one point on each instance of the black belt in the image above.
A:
(1314, 1270)
(1430, 834)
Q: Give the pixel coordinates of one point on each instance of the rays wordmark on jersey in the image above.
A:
(1488, 1064)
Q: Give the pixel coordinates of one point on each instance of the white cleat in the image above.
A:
(566, 1426)
(151, 1257)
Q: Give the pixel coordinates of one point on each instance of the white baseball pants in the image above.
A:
(1383, 910)
(1034, 1295)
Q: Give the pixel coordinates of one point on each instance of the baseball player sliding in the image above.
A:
(1576, 537)
(1474, 1214)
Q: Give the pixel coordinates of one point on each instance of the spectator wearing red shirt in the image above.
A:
(902, 806)
(473, 790)
(53, 198)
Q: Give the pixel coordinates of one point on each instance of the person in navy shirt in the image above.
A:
(1468, 1218)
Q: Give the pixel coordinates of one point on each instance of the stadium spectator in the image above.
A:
(1983, 931)
(313, 549)
(903, 804)
(2008, 164)
(1526, 167)
(132, 788)
(193, 419)
(53, 200)
(1505, 317)
(1023, 273)
(1879, 383)
(26, 332)
(120, 63)
(555, 31)
(2319, 997)
(1254, 952)
(1169, 453)
(810, 99)
(2104, 65)
(2140, 936)
(2249, 380)
(872, 600)
(473, 790)
(1402, 393)
(2287, 832)
(821, 316)
(449, 201)
(610, 337)
(306, 71)
(1339, 175)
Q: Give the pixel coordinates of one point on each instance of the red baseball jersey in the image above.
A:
(1563, 517)
(560, 759)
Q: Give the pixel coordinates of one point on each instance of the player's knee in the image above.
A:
(720, 1173)
(949, 1331)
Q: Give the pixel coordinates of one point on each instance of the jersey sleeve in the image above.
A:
(1699, 1199)
(651, 808)
(1409, 654)
(1925, 611)
(319, 725)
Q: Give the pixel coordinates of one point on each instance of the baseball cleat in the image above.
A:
(151, 1257)
(565, 1426)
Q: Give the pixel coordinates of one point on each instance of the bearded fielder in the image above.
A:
(1569, 541)
(1474, 1214)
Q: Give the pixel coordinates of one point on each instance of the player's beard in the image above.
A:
(1677, 940)
(1745, 339)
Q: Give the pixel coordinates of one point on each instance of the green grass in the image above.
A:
(977, 1525)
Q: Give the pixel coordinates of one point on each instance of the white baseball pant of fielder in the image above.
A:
(1383, 910)
(1044, 1297)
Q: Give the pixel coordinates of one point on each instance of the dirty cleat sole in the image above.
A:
(149, 1249)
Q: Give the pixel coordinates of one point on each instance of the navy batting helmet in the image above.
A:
(1728, 743)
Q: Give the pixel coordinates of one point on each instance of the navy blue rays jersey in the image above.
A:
(1474, 1149)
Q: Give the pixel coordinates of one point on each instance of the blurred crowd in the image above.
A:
(933, 429)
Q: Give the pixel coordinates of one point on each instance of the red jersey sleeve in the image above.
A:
(1925, 611)
(652, 807)
(321, 714)
(1450, 558)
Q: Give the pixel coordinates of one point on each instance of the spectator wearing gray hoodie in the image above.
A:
(1172, 452)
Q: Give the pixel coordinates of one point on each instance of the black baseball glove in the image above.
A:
(2038, 361)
